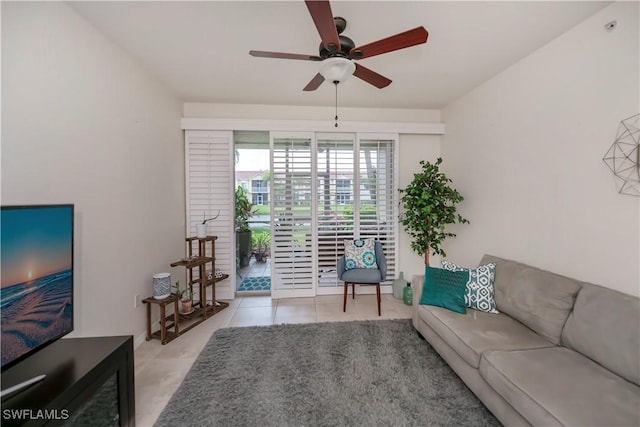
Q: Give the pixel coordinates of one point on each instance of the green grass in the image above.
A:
(258, 230)
(261, 209)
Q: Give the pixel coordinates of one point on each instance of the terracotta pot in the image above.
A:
(187, 306)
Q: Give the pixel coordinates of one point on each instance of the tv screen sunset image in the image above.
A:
(36, 280)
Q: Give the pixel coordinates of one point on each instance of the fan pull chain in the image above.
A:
(336, 119)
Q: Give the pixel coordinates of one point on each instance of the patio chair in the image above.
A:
(363, 276)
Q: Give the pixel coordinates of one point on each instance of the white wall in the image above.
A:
(83, 124)
(296, 112)
(413, 148)
(526, 147)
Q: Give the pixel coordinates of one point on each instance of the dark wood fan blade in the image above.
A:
(371, 77)
(314, 83)
(323, 18)
(280, 55)
(399, 41)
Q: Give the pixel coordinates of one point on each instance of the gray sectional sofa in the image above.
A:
(561, 351)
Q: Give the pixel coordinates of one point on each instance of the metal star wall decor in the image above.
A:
(623, 157)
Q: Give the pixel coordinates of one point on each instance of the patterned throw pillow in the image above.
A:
(360, 253)
(480, 292)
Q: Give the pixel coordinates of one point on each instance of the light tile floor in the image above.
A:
(160, 369)
(256, 269)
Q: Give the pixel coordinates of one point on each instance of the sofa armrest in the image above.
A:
(416, 284)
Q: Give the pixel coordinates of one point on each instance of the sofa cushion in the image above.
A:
(479, 293)
(604, 326)
(473, 333)
(540, 299)
(444, 288)
(558, 386)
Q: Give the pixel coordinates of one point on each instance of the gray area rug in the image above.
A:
(365, 373)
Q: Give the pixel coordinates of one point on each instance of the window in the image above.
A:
(257, 199)
(343, 191)
(292, 262)
(343, 185)
(324, 187)
(343, 199)
(259, 192)
(356, 198)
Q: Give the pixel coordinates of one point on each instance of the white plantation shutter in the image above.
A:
(336, 186)
(292, 261)
(209, 189)
(378, 195)
(356, 198)
(325, 188)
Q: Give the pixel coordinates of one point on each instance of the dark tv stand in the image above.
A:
(89, 381)
(18, 387)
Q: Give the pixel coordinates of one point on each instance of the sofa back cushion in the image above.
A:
(540, 299)
(605, 327)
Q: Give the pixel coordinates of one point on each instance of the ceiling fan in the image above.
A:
(337, 51)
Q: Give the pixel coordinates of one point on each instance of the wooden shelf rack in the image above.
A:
(200, 265)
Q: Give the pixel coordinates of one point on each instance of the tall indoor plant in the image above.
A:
(429, 206)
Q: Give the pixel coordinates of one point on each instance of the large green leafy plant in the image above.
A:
(429, 206)
(243, 210)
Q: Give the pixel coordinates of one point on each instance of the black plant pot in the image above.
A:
(260, 256)
(243, 240)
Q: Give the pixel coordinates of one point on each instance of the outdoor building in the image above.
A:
(256, 185)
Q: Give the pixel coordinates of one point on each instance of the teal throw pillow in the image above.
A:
(360, 253)
(480, 294)
(444, 288)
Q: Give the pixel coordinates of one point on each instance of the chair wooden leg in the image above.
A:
(353, 289)
(344, 304)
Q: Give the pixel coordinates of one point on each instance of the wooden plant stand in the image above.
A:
(198, 263)
(165, 322)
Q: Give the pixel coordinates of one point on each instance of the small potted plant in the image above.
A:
(261, 242)
(185, 296)
(201, 229)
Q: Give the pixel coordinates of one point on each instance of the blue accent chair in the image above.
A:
(363, 276)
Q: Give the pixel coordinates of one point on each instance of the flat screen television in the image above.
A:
(36, 279)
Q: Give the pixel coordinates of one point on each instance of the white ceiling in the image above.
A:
(200, 50)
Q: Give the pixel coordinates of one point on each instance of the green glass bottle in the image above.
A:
(407, 295)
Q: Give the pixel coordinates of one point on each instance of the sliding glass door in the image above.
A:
(336, 195)
(356, 198)
(377, 203)
(293, 267)
(323, 188)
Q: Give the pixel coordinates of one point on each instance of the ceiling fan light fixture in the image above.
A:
(337, 69)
